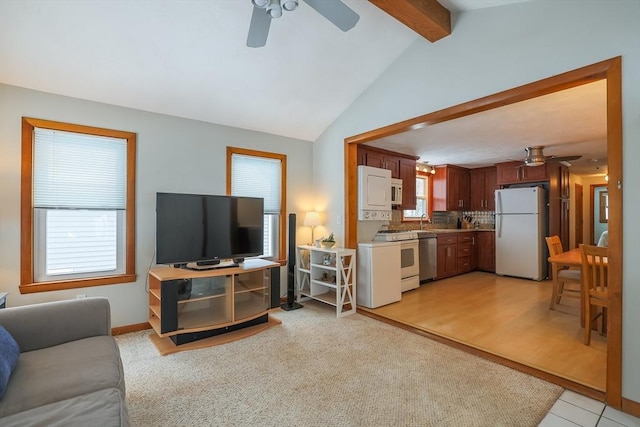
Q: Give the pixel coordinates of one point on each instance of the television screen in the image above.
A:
(197, 228)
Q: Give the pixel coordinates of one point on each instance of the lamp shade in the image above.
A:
(311, 219)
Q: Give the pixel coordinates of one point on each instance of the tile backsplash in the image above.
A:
(448, 219)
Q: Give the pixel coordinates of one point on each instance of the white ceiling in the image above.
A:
(189, 59)
(567, 123)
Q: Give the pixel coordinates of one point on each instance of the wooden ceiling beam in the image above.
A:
(426, 17)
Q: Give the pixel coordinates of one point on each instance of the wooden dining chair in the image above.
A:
(562, 276)
(595, 286)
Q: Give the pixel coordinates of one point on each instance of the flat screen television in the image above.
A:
(206, 229)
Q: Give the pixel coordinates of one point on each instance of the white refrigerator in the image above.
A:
(521, 222)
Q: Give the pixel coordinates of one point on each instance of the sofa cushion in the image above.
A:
(9, 353)
(102, 408)
(63, 371)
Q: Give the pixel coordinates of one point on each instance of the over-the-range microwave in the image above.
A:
(396, 191)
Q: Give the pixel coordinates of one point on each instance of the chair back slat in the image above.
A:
(594, 270)
(554, 244)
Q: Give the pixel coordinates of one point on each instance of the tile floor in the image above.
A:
(573, 409)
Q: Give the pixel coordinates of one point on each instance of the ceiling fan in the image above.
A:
(535, 156)
(265, 10)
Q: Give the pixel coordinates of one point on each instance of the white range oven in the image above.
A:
(409, 255)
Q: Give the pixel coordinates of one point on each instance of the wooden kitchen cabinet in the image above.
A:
(559, 202)
(402, 166)
(451, 188)
(465, 253)
(408, 177)
(486, 251)
(447, 264)
(456, 253)
(517, 172)
(384, 159)
(483, 183)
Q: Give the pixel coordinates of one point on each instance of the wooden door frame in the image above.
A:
(609, 70)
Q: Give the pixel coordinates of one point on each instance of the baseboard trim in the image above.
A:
(631, 407)
(130, 328)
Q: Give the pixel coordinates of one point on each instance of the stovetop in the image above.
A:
(394, 235)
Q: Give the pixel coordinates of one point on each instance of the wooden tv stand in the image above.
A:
(189, 305)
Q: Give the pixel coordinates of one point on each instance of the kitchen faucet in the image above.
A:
(422, 216)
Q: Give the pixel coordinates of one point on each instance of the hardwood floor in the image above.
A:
(507, 317)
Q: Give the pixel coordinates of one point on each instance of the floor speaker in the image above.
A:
(291, 304)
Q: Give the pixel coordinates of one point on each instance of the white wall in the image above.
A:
(492, 50)
(173, 154)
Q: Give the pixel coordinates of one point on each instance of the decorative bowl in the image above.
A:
(327, 245)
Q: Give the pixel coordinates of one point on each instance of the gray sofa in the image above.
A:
(69, 372)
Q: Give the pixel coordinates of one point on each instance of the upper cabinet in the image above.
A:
(402, 166)
(408, 177)
(451, 188)
(516, 172)
(483, 185)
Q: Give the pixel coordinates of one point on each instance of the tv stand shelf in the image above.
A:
(187, 305)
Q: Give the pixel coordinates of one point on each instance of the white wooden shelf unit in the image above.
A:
(327, 275)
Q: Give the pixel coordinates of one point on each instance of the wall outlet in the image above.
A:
(78, 296)
(339, 220)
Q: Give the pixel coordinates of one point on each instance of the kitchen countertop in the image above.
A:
(452, 230)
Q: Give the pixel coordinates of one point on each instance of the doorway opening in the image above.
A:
(610, 71)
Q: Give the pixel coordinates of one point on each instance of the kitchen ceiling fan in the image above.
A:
(265, 10)
(536, 157)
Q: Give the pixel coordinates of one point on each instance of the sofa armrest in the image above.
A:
(47, 324)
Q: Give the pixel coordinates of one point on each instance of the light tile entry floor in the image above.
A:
(573, 409)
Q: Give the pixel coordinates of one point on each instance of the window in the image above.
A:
(421, 200)
(78, 201)
(253, 173)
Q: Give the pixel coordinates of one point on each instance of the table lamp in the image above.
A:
(312, 219)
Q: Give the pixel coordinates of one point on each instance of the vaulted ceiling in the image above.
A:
(189, 59)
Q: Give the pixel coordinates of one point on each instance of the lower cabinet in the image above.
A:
(465, 253)
(486, 251)
(187, 305)
(458, 254)
(447, 255)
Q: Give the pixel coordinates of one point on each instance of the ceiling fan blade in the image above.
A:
(259, 28)
(335, 11)
(566, 158)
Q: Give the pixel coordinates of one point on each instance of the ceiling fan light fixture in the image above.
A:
(535, 156)
(260, 3)
(274, 9)
(289, 5)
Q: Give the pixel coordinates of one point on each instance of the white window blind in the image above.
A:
(79, 171)
(257, 177)
(79, 196)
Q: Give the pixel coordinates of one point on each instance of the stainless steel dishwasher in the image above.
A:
(428, 249)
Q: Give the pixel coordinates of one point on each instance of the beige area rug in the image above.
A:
(317, 370)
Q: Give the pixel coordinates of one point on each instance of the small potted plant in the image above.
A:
(328, 242)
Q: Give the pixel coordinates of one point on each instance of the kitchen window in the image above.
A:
(252, 173)
(422, 197)
(79, 196)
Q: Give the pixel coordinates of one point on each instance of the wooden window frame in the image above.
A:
(27, 284)
(429, 198)
(282, 246)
